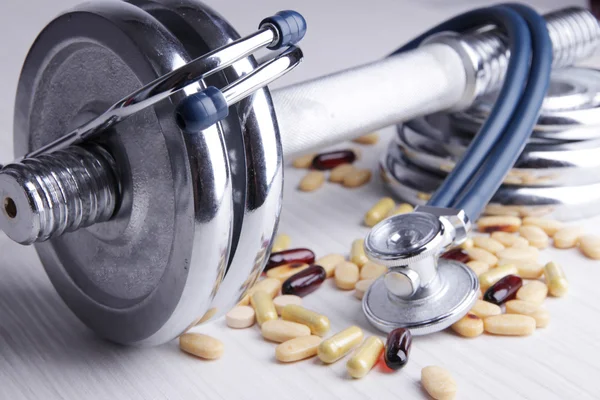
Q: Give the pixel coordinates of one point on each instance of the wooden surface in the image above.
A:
(46, 353)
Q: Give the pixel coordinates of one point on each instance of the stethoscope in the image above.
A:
(157, 211)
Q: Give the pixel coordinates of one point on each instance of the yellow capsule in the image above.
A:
(492, 276)
(403, 208)
(379, 211)
(365, 357)
(357, 253)
(281, 242)
(556, 280)
(318, 324)
(340, 344)
(263, 306)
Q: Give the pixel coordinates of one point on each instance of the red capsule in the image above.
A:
(457, 254)
(397, 348)
(305, 281)
(332, 159)
(303, 256)
(503, 290)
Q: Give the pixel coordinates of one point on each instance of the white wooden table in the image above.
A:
(46, 353)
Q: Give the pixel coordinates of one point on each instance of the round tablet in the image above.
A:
(240, 317)
(361, 287)
(284, 300)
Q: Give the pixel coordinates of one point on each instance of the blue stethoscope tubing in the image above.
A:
(504, 134)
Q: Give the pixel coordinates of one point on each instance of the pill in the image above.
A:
(284, 300)
(357, 253)
(318, 324)
(372, 271)
(263, 307)
(468, 326)
(305, 281)
(492, 276)
(240, 317)
(329, 262)
(281, 242)
(534, 292)
(332, 159)
(278, 330)
(269, 285)
(202, 346)
(403, 208)
(509, 325)
(365, 357)
(556, 279)
(397, 348)
(567, 237)
(356, 178)
(338, 173)
(371, 138)
(535, 236)
(300, 255)
(312, 181)
(530, 269)
(482, 255)
(346, 275)
(485, 309)
(590, 246)
(284, 272)
(504, 223)
(438, 383)
(514, 254)
(479, 267)
(332, 349)
(541, 315)
(488, 243)
(361, 288)
(297, 349)
(457, 254)
(549, 226)
(509, 240)
(503, 290)
(379, 211)
(304, 161)
(467, 244)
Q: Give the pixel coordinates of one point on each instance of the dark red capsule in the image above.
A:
(332, 159)
(503, 290)
(457, 254)
(305, 281)
(397, 348)
(304, 256)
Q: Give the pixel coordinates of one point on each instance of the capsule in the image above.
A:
(379, 211)
(304, 282)
(332, 159)
(457, 254)
(286, 271)
(557, 282)
(503, 290)
(263, 306)
(318, 324)
(365, 357)
(281, 242)
(397, 348)
(357, 253)
(291, 256)
(340, 344)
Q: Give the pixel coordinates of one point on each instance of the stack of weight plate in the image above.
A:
(557, 175)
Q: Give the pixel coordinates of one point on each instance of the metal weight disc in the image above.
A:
(454, 297)
(146, 275)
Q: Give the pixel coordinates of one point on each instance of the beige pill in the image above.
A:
(509, 325)
(534, 292)
(509, 239)
(357, 253)
(477, 254)
(371, 138)
(284, 300)
(379, 211)
(281, 242)
(332, 349)
(535, 236)
(329, 262)
(372, 271)
(365, 357)
(361, 288)
(297, 349)
(240, 317)
(479, 267)
(346, 275)
(338, 173)
(485, 309)
(202, 346)
(492, 276)
(269, 285)
(438, 382)
(556, 279)
(263, 307)
(403, 208)
(517, 254)
(283, 272)
(549, 226)
(590, 246)
(488, 243)
(567, 238)
(312, 181)
(541, 315)
(469, 326)
(504, 223)
(356, 178)
(529, 270)
(278, 330)
(318, 324)
(304, 161)
(467, 244)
